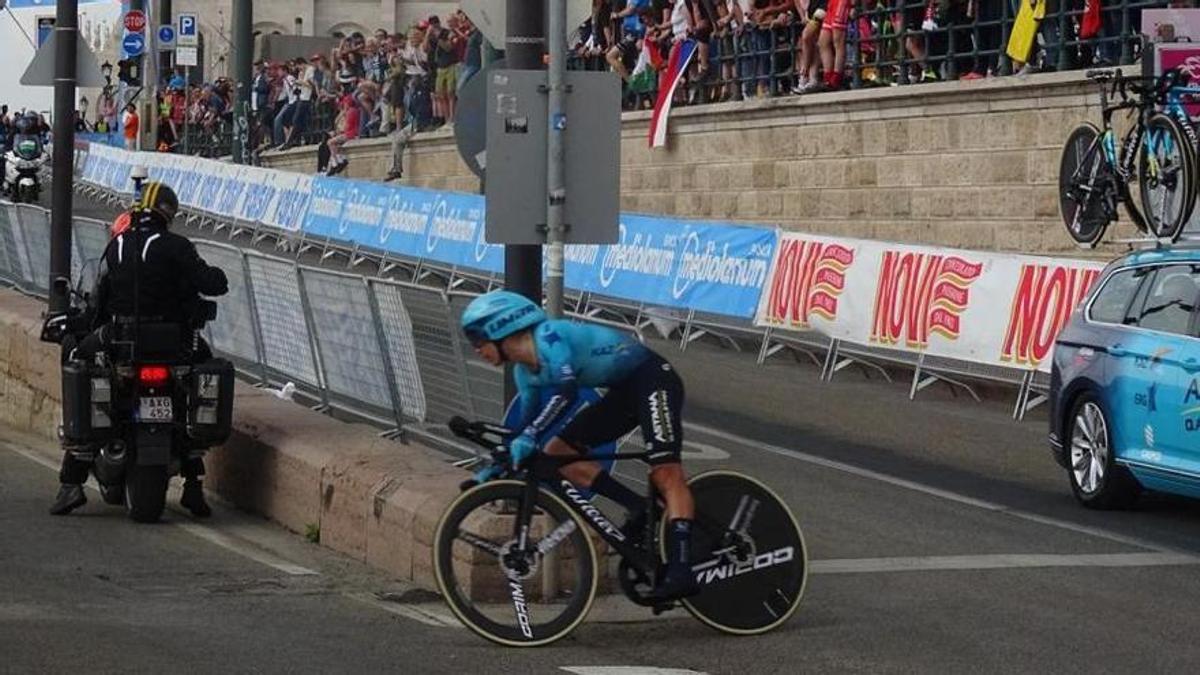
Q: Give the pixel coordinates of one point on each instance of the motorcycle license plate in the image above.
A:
(156, 409)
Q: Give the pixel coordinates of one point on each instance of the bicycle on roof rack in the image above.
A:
(1158, 152)
(515, 562)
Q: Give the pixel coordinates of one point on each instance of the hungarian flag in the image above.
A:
(681, 56)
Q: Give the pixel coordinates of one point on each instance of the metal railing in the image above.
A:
(380, 340)
(890, 43)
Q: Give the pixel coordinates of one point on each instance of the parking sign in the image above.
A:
(189, 29)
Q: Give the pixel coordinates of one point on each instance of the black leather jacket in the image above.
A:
(171, 277)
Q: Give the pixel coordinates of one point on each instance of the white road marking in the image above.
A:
(417, 613)
(998, 561)
(629, 670)
(244, 549)
(33, 457)
(933, 491)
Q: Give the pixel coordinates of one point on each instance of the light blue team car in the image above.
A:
(1125, 386)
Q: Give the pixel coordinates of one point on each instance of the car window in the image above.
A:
(1172, 299)
(1113, 301)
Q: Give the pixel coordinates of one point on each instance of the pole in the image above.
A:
(523, 51)
(243, 58)
(66, 29)
(143, 111)
(555, 166)
(523, 263)
(187, 105)
(165, 14)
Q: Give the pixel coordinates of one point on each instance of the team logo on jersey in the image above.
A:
(660, 417)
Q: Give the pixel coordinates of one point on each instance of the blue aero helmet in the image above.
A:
(496, 315)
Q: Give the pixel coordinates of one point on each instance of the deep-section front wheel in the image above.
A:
(519, 594)
(748, 555)
(1166, 171)
(1084, 184)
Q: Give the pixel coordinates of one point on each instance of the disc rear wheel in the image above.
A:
(748, 555)
(1083, 186)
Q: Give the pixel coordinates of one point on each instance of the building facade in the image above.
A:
(303, 17)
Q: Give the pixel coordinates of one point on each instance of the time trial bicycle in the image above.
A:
(1158, 152)
(516, 557)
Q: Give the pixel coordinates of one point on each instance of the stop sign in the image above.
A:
(135, 21)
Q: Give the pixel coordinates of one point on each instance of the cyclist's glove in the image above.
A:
(521, 448)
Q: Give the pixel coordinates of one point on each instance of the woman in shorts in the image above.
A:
(832, 42)
(808, 59)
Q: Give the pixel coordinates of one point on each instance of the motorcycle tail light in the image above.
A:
(153, 376)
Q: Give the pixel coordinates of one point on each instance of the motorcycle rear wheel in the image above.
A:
(113, 495)
(146, 493)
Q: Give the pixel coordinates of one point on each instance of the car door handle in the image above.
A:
(1117, 350)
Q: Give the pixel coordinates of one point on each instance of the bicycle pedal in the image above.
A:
(663, 607)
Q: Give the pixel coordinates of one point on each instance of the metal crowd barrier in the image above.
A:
(292, 324)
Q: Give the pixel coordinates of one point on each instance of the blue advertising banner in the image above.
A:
(413, 222)
(711, 267)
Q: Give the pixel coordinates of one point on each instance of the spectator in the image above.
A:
(832, 43)
(417, 102)
(81, 125)
(132, 124)
(307, 88)
(623, 54)
(289, 96)
(473, 50)
(108, 108)
(986, 39)
(260, 92)
(347, 125)
(811, 14)
(447, 57)
(395, 88)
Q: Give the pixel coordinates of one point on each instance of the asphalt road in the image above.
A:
(943, 538)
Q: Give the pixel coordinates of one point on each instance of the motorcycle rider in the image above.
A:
(25, 129)
(170, 278)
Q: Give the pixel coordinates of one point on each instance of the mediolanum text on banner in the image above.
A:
(989, 308)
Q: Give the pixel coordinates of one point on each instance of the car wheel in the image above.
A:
(1096, 479)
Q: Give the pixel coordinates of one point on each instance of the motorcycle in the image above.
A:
(23, 170)
(143, 406)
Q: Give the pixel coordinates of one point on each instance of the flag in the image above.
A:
(681, 56)
(1090, 25)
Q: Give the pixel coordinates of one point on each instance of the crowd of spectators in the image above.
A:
(367, 86)
(402, 83)
(762, 48)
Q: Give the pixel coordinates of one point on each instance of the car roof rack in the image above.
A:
(1188, 240)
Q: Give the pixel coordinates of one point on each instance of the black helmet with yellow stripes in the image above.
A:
(159, 200)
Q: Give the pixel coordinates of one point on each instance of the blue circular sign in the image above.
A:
(134, 44)
(166, 35)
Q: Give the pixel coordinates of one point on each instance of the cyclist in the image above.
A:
(556, 357)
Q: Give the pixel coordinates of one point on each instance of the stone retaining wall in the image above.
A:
(963, 164)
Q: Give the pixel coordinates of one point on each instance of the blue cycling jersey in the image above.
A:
(572, 355)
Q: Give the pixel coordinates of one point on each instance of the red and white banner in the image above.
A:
(991, 308)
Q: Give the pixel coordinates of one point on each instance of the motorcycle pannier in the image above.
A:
(210, 404)
(87, 400)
